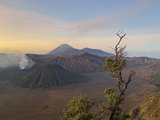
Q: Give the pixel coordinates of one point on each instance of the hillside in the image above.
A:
(155, 74)
(141, 62)
(149, 109)
(48, 75)
(81, 63)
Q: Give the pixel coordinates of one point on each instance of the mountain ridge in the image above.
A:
(67, 50)
(78, 63)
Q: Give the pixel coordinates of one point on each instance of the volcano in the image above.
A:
(67, 50)
(78, 63)
(48, 75)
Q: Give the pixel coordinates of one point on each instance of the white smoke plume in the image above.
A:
(15, 60)
(25, 62)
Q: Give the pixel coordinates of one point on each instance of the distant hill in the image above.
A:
(48, 75)
(141, 61)
(67, 50)
(97, 52)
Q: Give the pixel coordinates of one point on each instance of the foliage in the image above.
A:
(155, 79)
(150, 108)
(114, 98)
(79, 109)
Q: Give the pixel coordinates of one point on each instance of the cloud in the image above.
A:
(23, 28)
(119, 14)
(19, 21)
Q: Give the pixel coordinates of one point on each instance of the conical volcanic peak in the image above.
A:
(63, 49)
(67, 50)
(48, 75)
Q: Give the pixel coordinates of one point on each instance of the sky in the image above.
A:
(38, 26)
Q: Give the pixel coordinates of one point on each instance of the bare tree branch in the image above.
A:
(116, 68)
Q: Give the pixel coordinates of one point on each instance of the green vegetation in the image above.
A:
(115, 97)
(155, 79)
(112, 102)
(79, 108)
(149, 109)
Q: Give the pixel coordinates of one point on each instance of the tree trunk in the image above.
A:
(112, 114)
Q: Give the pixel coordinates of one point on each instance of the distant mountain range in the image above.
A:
(65, 64)
(67, 50)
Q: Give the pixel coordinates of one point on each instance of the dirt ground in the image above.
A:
(48, 104)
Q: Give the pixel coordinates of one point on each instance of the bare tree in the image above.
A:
(80, 107)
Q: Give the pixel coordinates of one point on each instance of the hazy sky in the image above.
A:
(41, 25)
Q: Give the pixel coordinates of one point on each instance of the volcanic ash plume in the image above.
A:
(25, 62)
(15, 60)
